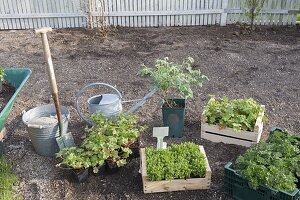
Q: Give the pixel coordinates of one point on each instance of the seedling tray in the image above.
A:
(215, 133)
(238, 188)
(177, 184)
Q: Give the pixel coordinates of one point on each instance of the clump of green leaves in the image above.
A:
(252, 9)
(81, 158)
(274, 163)
(7, 180)
(2, 74)
(176, 162)
(168, 75)
(105, 140)
(239, 114)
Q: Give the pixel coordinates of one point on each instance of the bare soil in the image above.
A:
(5, 94)
(264, 65)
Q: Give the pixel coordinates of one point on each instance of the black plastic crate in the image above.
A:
(238, 188)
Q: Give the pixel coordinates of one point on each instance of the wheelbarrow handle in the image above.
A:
(83, 90)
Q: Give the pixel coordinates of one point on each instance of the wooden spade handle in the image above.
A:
(52, 79)
(43, 30)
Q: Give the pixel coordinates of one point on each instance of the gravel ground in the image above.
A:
(263, 65)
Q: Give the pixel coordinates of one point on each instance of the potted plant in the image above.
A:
(268, 170)
(179, 167)
(238, 121)
(78, 160)
(116, 137)
(105, 148)
(171, 78)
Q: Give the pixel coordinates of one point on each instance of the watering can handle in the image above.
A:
(82, 90)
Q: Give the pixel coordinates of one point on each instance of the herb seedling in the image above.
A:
(176, 162)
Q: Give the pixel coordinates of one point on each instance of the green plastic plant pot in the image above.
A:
(174, 117)
(16, 77)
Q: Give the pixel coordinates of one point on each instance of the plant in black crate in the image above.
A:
(172, 78)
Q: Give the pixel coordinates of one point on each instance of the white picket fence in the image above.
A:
(27, 14)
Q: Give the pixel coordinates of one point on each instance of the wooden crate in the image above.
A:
(177, 184)
(227, 135)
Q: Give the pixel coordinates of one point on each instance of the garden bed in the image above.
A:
(264, 65)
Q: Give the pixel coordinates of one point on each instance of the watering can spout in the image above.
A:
(141, 102)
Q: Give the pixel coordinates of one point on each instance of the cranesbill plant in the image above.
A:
(239, 114)
(105, 140)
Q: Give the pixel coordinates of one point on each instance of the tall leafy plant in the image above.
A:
(168, 76)
(252, 9)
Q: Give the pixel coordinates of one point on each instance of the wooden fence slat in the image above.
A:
(285, 17)
(2, 21)
(26, 14)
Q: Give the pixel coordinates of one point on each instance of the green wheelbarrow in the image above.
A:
(15, 77)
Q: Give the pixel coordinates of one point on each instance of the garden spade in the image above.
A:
(63, 140)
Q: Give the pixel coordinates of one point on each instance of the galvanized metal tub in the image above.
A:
(42, 127)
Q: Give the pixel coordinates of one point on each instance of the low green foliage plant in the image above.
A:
(275, 163)
(105, 140)
(7, 180)
(239, 114)
(168, 76)
(176, 162)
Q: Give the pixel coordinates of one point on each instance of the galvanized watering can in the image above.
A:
(110, 105)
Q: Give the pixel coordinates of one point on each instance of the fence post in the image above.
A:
(90, 18)
(224, 13)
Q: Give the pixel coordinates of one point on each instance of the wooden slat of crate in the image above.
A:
(177, 184)
(227, 135)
